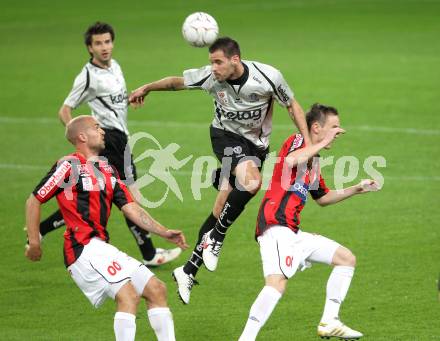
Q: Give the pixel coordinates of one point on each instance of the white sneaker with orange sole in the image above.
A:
(163, 256)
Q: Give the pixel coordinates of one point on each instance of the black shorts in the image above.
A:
(115, 143)
(230, 149)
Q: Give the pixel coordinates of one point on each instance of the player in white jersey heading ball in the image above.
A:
(243, 92)
(101, 85)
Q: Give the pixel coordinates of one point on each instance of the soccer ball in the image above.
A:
(200, 29)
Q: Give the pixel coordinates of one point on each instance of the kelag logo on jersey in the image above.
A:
(240, 115)
(300, 190)
(119, 98)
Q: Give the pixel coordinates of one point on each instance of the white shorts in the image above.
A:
(283, 251)
(102, 270)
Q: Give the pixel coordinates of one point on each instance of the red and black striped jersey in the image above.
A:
(85, 191)
(287, 192)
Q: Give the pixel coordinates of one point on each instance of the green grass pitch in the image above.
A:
(377, 61)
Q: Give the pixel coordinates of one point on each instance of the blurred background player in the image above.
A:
(284, 247)
(243, 92)
(101, 85)
(85, 186)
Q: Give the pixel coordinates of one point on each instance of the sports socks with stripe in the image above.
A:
(195, 261)
(234, 205)
(124, 325)
(260, 311)
(162, 323)
(337, 288)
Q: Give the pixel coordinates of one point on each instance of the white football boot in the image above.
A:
(163, 256)
(337, 329)
(211, 251)
(184, 284)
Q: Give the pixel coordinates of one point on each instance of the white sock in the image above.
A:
(337, 288)
(260, 312)
(162, 323)
(124, 326)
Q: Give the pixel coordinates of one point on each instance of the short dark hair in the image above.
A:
(228, 45)
(318, 113)
(98, 28)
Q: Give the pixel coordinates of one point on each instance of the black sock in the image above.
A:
(143, 240)
(195, 261)
(234, 205)
(51, 223)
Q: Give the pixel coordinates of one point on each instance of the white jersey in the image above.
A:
(244, 106)
(105, 92)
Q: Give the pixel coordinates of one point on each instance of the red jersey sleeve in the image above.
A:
(321, 190)
(51, 184)
(121, 194)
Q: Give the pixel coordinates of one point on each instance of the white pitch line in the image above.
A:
(23, 167)
(20, 120)
(196, 125)
(141, 171)
(378, 129)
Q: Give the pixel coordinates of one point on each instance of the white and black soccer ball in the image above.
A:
(200, 29)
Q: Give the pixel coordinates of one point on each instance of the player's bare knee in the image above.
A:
(248, 177)
(351, 259)
(161, 290)
(254, 185)
(344, 257)
(155, 293)
(134, 298)
(278, 282)
(127, 298)
(252, 182)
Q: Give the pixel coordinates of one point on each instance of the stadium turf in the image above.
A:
(376, 61)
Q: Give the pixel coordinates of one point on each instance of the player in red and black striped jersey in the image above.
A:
(284, 247)
(85, 187)
(287, 195)
(85, 192)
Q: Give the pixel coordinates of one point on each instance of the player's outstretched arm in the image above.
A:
(65, 114)
(33, 251)
(297, 115)
(142, 219)
(334, 196)
(302, 155)
(137, 96)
